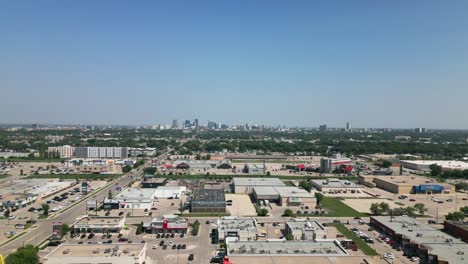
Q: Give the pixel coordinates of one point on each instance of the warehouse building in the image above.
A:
(424, 165)
(303, 229)
(239, 228)
(336, 185)
(406, 184)
(289, 248)
(457, 229)
(153, 182)
(134, 198)
(284, 196)
(168, 224)
(97, 254)
(164, 192)
(99, 224)
(246, 185)
(208, 201)
(417, 239)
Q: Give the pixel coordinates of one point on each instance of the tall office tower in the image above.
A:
(196, 123)
(187, 124)
(323, 128)
(347, 126)
(175, 124)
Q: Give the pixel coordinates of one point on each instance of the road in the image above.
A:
(43, 229)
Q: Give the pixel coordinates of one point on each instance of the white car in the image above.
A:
(414, 259)
(155, 246)
(171, 243)
(11, 217)
(389, 256)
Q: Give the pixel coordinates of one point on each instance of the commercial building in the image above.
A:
(290, 248)
(287, 196)
(424, 165)
(327, 165)
(97, 254)
(336, 185)
(170, 192)
(134, 198)
(200, 165)
(303, 229)
(99, 224)
(208, 201)
(101, 152)
(65, 151)
(457, 229)
(239, 228)
(254, 169)
(141, 152)
(246, 185)
(406, 184)
(168, 224)
(417, 239)
(153, 182)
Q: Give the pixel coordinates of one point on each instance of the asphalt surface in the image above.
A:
(43, 229)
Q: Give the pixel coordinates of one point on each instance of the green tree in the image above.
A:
(461, 186)
(455, 216)
(23, 255)
(139, 229)
(289, 236)
(65, 229)
(384, 207)
(306, 186)
(386, 164)
(109, 194)
(262, 212)
(319, 197)
(288, 213)
(421, 208)
(436, 170)
(7, 213)
(464, 210)
(126, 168)
(45, 208)
(375, 209)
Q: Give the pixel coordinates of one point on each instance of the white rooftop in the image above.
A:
(258, 182)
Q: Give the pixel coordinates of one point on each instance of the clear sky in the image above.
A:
(372, 63)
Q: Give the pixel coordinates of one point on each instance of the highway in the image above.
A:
(43, 229)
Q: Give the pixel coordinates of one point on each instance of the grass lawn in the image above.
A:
(362, 245)
(336, 208)
(76, 176)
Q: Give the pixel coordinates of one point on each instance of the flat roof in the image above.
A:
(336, 183)
(240, 181)
(99, 220)
(447, 164)
(283, 191)
(155, 180)
(286, 247)
(304, 224)
(236, 223)
(97, 250)
(136, 194)
(208, 197)
(439, 243)
(462, 225)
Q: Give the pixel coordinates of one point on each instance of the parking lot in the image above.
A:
(241, 205)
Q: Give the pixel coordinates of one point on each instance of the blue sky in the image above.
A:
(372, 63)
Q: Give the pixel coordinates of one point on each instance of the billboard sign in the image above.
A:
(57, 229)
(91, 203)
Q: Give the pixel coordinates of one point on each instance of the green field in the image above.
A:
(75, 176)
(336, 208)
(362, 245)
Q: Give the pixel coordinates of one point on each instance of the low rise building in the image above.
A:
(208, 201)
(97, 254)
(135, 198)
(406, 184)
(232, 226)
(246, 185)
(457, 229)
(417, 239)
(99, 224)
(284, 196)
(153, 182)
(336, 185)
(170, 192)
(168, 224)
(303, 229)
(424, 165)
(327, 165)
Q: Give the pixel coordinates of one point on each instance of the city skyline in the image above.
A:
(396, 65)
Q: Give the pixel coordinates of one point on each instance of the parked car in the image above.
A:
(191, 257)
(414, 259)
(389, 255)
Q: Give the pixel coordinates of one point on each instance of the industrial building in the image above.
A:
(303, 229)
(424, 165)
(246, 185)
(200, 165)
(208, 201)
(101, 152)
(288, 248)
(134, 253)
(406, 184)
(457, 229)
(99, 224)
(284, 196)
(417, 239)
(153, 182)
(232, 226)
(134, 198)
(168, 224)
(335, 185)
(327, 165)
(170, 192)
